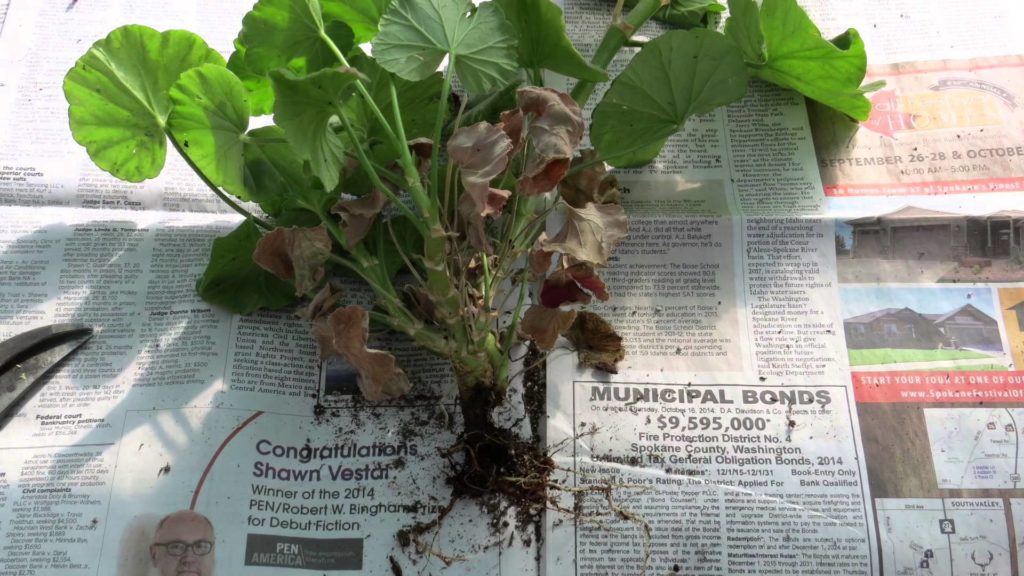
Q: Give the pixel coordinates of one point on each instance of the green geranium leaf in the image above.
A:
(543, 43)
(417, 103)
(275, 176)
(416, 35)
(234, 281)
(306, 107)
(789, 50)
(702, 70)
(289, 33)
(261, 93)
(118, 99)
(744, 28)
(362, 16)
(209, 117)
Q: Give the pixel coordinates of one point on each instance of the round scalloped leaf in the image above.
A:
(261, 93)
(305, 107)
(362, 16)
(416, 35)
(289, 33)
(274, 176)
(209, 118)
(677, 75)
(118, 96)
(543, 43)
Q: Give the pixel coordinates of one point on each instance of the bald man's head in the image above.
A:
(183, 545)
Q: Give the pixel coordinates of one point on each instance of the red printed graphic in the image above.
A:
(939, 387)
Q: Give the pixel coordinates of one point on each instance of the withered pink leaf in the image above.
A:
(422, 149)
(597, 344)
(591, 184)
(512, 125)
(323, 303)
(481, 153)
(540, 259)
(571, 286)
(296, 254)
(357, 215)
(473, 215)
(590, 233)
(554, 131)
(560, 289)
(544, 325)
(345, 333)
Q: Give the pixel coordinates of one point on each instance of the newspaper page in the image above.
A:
(830, 380)
(177, 410)
(824, 352)
(926, 200)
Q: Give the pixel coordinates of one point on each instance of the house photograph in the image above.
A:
(922, 329)
(929, 239)
(1011, 304)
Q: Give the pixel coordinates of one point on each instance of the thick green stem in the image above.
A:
(216, 189)
(618, 33)
(412, 174)
(511, 333)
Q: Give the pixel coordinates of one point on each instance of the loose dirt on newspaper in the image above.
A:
(505, 475)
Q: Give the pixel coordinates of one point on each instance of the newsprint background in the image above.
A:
(825, 371)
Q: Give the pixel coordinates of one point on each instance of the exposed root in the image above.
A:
(503, 473)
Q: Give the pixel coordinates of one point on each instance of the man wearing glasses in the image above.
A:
(183, 545)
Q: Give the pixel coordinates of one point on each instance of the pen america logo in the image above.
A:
(948, 103)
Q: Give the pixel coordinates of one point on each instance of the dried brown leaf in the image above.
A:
(554, 131)
(590, 233)
(357, 215)
(323, 303)
(345, 333)
(540, 259)
(591, 184)
(512, 125)
(422, 149)
(544, 325)
(481, 152)
(296, 254)
(597, 344)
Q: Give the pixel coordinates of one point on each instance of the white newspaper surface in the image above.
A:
(818, 380)
(781, 410)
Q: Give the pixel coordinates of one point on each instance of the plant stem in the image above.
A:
(435, 153)
(412, 174)
(615, 37)
(360, 87)
(510, 334)
(375, 178)
(486, 281)
(216, 189)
